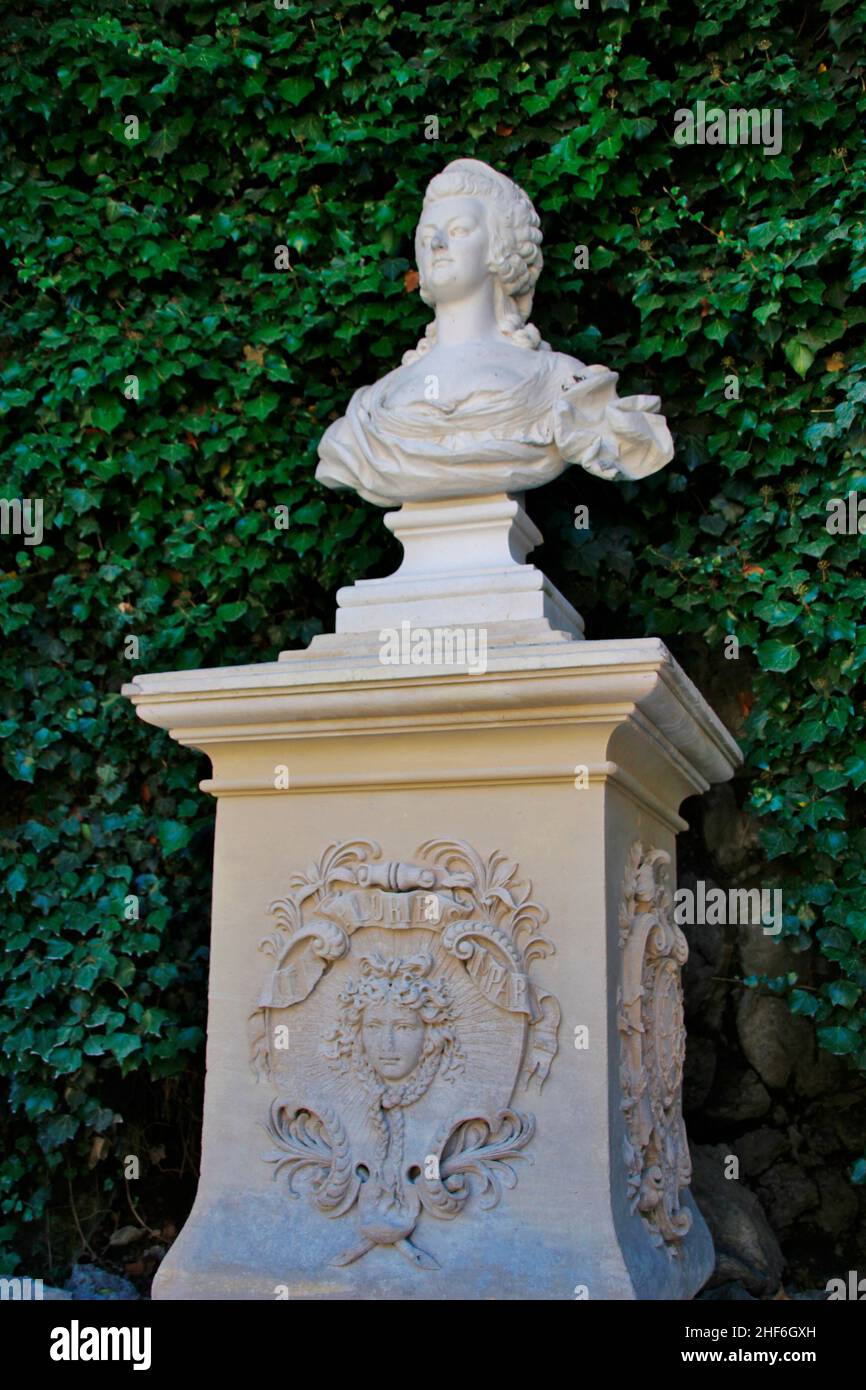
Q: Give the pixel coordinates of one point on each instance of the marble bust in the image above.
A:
(483, 405)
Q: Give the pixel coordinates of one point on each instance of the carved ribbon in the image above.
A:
(487, 952)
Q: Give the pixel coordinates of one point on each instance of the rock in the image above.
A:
(787, 1192)
(699, 1072)
(710, 951)
(850, 1117)
(817, 1072)
(758, 1149)
(838, 1206)
(728, 1293)
(767, 955)
(823, 1141)
(747, 1251)
(738, 1096)
(729, 834)
(91, 1283)
(771, 1036)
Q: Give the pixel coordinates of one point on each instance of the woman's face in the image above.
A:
(393, 1039)
(452, 248)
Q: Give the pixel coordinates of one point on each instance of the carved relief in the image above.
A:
(425, 1023)
(653, 1038)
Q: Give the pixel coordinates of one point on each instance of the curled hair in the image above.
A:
(515, 248)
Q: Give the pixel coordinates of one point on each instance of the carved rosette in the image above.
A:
(652, 1052)
(434, 958)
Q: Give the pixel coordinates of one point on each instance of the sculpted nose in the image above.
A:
(439, 241)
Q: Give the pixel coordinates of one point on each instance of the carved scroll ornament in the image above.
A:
(403, 1025)
(653, 1037)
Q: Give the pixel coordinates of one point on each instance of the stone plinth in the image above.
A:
(445, 1005)
(463, 564)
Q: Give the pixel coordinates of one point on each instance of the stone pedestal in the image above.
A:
(445, 1035)
(463, 565)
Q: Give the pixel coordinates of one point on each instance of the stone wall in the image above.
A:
(757, 1087)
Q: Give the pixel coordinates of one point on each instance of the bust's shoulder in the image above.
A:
(567, 366)
(368, 397)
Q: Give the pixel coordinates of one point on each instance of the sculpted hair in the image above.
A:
(515, 248)
(404, 981)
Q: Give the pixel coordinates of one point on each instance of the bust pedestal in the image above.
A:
(444, 992)
(463, 564)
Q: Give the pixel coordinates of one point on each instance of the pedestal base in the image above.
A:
(236, 1250)
(445, 1032)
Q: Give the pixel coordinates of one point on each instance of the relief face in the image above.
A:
(392, 1034)
(404, 993)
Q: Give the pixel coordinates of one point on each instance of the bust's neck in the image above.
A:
(469, 320)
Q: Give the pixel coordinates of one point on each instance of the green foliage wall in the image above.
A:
(154, 257)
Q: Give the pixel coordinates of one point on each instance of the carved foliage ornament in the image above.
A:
(653, 1038)
(431, 1024)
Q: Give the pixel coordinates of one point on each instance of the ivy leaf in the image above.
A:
(292, 90)
(799, 355)
(16, 880)
(230, 612)
(108, 415)
(844, 993)
(174, 836)
(840, 1041)
(121, 1045)
(777, 656)
(56, 1131)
